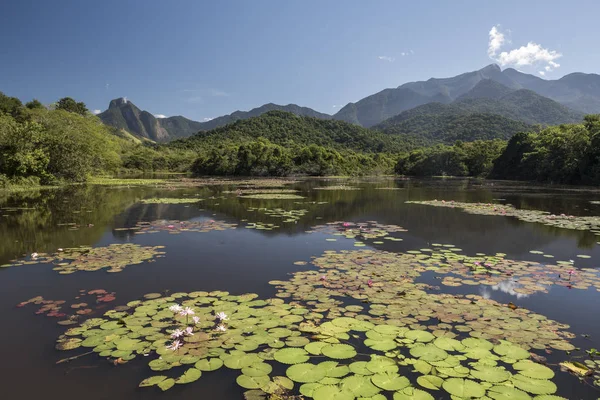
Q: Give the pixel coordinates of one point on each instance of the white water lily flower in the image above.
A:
(177, 333)
(189, 331)
(174, 346)
(186, 311)
(222, 316)
(196, 320)
(221, 328)
(176, 308)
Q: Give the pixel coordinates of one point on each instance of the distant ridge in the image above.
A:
(123, 114)
(580, 92)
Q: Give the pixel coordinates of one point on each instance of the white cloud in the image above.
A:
(531, 54)
(386, 58)
(96, 112)
(496, 41)
(160, 116)
(542, 73)
(218, 93)
(206, 119)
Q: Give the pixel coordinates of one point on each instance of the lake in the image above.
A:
(381, 290)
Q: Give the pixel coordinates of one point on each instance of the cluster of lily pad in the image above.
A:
(326, 355)
(175, 226)
(361, 230)
(386, 282)
(526, 277)
(113, 258)
(272, 196)
(582, 223)
(286, 216)
(337, 187)
(261, 191)
(82, 306)
(171, 200)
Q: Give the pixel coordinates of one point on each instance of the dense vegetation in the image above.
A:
(462, 159)
(280, 143)
(428, 129)
(68, 144)
(289, 130)
(560, 154)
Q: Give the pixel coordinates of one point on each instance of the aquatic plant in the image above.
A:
(272, 196)
(175, 226)
(171, 200)
(386, 281)
(325, 357)
(113, 258)
(94, 300)
(362, 230)
(337, 187)
(582, 223)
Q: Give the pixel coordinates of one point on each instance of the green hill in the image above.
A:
(446, 127)
(287, 129)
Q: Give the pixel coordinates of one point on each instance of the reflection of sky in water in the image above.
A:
(507, 287)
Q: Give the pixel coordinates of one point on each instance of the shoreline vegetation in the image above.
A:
(46, 147)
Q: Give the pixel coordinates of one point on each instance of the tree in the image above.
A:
(70, 105)
(33, 104)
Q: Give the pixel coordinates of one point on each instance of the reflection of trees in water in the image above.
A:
(37, 229)
(473, 232)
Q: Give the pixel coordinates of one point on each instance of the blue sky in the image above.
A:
(202, 59)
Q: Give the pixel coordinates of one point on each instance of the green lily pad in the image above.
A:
(491, 374)
(210, 364)
(507, 393)
(428, 353)
(305, 373)
(166, 384)
(360, 386)
(430, 382)
(533, 370)
(153, 380)
(331, 392)
(252, 382)
(390, 381)
(463, 388)
(511, 351)
(189, 376)
(534, 386)
(338, 351)
(258, 369)
(291, 356)
(411, 393)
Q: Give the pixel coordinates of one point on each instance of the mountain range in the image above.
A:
(123, 114)
(448, 103)
(578, 91)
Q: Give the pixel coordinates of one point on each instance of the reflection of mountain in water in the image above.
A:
(427, 224)
(97, 208)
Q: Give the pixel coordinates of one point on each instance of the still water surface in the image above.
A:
(245, 260)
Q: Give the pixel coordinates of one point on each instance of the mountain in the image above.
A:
(579, 91)
(448, 127)
(290, 130)
(255, 112)
(490, 97)
(123, 114)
